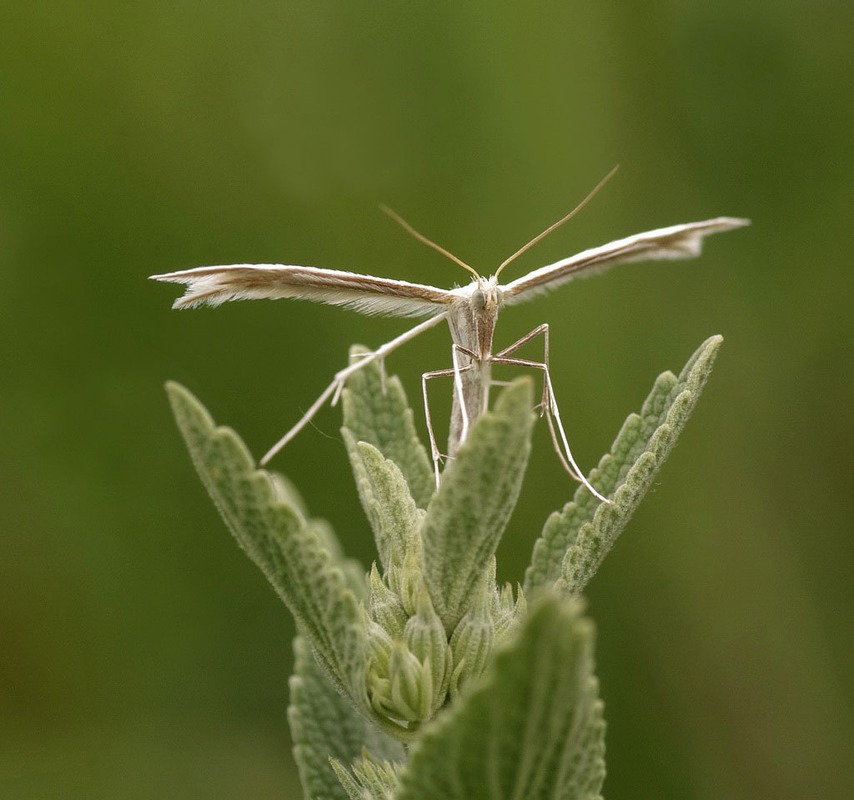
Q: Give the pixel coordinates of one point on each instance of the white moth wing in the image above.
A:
(364, 293)
(676, 241)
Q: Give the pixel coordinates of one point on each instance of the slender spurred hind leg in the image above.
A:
(435, 454)
(334, 389)
(549, 403)
(453, 372)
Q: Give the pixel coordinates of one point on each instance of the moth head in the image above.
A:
(485, 297)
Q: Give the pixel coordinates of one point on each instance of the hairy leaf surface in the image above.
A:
(276, 536)
(386, 499)
(466, 517)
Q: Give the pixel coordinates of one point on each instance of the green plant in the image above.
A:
(424, 679)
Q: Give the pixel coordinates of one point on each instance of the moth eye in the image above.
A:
(478, 301)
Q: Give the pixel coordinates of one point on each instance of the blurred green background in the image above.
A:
(141, 655)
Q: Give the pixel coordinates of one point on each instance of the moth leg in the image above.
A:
(304, 420)
(540, 330)
(335, 388)
(549, 404)
(548, 410)
(456, 351)
(434, 447)
(454, 372)
(357, 359)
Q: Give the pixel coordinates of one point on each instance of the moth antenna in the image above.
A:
(429, 242)
(555, 225)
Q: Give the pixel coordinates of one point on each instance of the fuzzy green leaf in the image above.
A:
(275, 535)
(466, 517)
(376, 411)
(324, 725)
(353, 570)
(576, 539)
(385, 497)
(530, 729)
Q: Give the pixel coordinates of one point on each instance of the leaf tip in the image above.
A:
(177, 392)
(519, 394)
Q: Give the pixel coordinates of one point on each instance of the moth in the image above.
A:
(471, 312)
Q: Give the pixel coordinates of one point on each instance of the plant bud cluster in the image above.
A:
(415, 665)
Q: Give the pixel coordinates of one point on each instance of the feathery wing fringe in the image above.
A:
(677, 241)
(364, 293)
